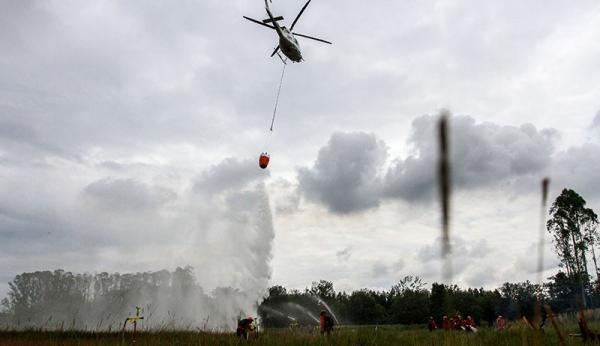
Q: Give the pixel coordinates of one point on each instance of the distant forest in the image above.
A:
(61, 299)
(82, 301)
(64, 300)
(411, 301)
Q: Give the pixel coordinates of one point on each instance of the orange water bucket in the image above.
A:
(263, 160)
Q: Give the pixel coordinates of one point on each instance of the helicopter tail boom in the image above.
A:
(273, 20)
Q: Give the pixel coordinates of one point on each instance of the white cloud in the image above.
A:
(345, 177)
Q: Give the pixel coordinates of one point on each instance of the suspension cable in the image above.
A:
(277, 99)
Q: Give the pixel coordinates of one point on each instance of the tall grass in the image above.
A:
(516, 334)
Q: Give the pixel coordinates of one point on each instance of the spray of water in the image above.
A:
(304, 310)
(277, 312)
(324, 304)
(219, 223)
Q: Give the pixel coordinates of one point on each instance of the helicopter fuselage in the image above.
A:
(289, 45)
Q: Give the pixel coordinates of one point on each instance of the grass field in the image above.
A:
(363, 335)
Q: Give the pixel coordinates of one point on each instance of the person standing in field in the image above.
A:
(245, 326)
(431, 325)
(326, 323)
(469, 324)
(457, 322)
(500, 323)
(446, 323)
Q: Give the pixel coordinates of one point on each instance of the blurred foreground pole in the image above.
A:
(540, 267)
(541, 244)
(555, 324)
(445, 191)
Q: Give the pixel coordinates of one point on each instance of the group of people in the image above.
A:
(247, 326)
(458, 323)
(454, 323)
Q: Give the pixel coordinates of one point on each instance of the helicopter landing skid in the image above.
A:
(282, 59)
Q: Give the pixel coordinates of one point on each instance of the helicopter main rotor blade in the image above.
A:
(269, 20)
(312, 38)
(275, 51)
(259, 22)
(299, 14)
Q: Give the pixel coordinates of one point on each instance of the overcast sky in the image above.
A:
(130, 131)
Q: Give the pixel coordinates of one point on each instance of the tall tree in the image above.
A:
(573, 227)
(592, 236)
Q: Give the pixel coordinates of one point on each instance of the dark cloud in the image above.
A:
(459, 248)
(19, 226)
(596, 121)
(482, 276)
(22, 139)
(229, 174)
(289, 203)
(576, 168)
(481, 153)
(381, 269)
(345, 177)
(126, 195)
(464, 253)
(528, 262)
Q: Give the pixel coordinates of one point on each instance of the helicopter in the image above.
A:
(288, 44)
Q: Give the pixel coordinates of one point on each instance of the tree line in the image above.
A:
(64, 300)
(412, 302)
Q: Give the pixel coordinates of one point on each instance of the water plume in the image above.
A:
(305, 311)
(218, 234)
(324, 304)
(277, 312)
